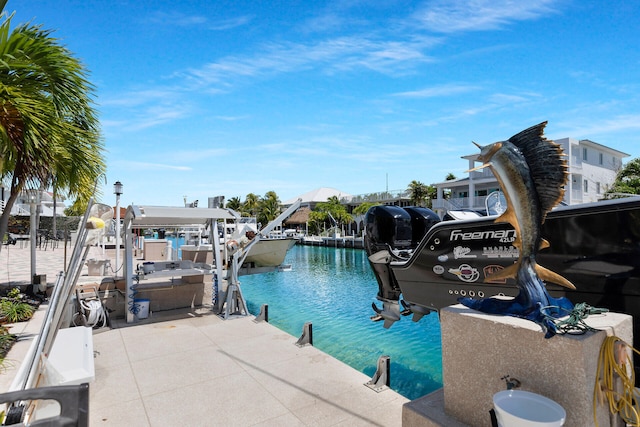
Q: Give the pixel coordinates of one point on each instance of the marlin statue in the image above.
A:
(532, 172)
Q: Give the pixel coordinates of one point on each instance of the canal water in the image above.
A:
(333, 288)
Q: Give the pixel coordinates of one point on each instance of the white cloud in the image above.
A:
(339, 54)
(231, 118)
(442, 90)
(229, 24)
(615, 124)
(140, 97)
(505, 98)
(176, 18)
(155, 116)
(179, 19)
(158, 166)
(446, 16)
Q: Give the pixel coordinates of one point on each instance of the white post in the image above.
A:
(117, 234)
(33, 233)
(117, 189)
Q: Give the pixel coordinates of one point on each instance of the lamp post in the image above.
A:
(117, 190)
(33, 206)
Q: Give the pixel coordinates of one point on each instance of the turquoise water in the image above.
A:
(333, 288)
(176, 242)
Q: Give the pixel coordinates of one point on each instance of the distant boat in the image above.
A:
(268, 250)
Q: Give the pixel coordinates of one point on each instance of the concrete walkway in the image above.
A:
(190, 367)
(15, 262)
(199, 370)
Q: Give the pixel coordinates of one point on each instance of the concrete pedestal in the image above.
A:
(155, 249)
(197, 253)
(479, 349)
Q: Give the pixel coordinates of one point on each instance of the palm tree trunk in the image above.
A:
(4, 218)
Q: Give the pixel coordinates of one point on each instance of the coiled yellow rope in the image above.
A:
(614, 362)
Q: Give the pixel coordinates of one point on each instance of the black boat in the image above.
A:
(423, 264)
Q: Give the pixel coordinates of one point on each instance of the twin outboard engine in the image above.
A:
(387, 227)
(397, 229)
(392, 233)
(422, 219)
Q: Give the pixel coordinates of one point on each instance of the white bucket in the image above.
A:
(143, 308)
(519, 408)
(96, 267)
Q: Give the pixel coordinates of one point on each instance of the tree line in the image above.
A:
(325, 215)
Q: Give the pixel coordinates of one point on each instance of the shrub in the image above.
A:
(15, 311)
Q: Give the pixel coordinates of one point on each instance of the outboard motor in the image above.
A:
(422, 219)
(387, 228)
(391, 233)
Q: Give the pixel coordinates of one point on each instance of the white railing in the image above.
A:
(445, 204)
(576, 196)
(477, 203)
(576, 162)
(18, 209)
(484, 173)
(377, 197)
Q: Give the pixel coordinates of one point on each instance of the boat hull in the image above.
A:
(269, 252)
(595, 246)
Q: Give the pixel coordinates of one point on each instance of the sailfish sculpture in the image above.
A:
(532, 172)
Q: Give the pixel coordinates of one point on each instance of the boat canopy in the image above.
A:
(170, 216)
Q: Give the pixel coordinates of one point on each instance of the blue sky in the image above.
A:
(207, 98)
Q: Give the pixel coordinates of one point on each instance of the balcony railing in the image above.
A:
(576, 196)
(378, 197)
(475, 203)
(576, 163)
(479, 174)
(444, 204)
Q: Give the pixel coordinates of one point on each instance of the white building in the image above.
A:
(592, 170)
(23, 203)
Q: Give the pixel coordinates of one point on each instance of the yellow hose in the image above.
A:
(614, 361)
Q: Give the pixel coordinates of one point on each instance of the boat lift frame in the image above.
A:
(157, 217)
(138, 217)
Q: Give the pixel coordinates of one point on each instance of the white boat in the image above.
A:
(269, 252)
(271, 246)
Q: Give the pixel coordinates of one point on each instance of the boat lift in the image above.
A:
(226, 303)
(157, 217)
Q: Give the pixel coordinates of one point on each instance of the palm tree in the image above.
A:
(234, 203)
(421, 194)
(251, 204)
(49, 131)
(331, 210)
(364, 208)
(418, 192)
(269, 207)
(627, 181)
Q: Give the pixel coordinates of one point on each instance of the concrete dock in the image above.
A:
(190, 367)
